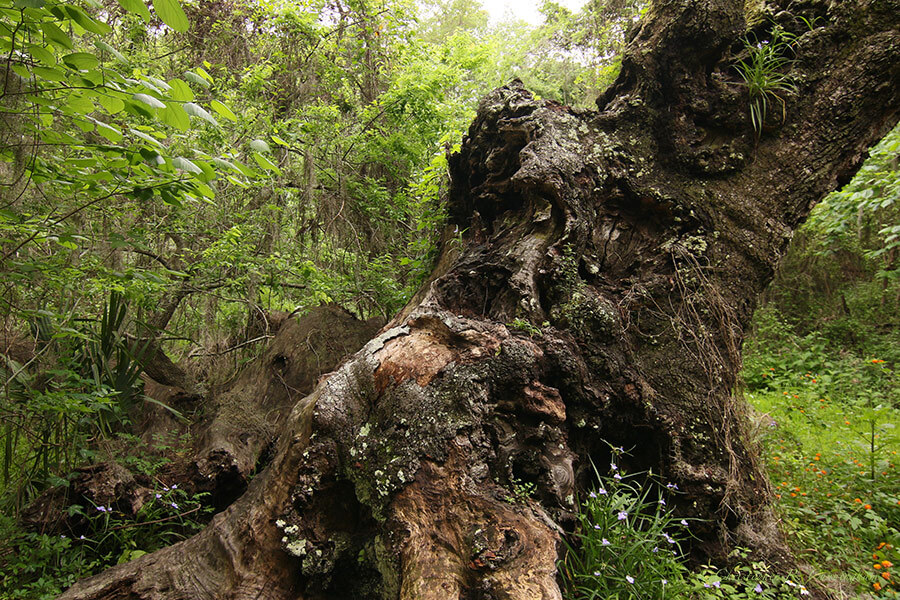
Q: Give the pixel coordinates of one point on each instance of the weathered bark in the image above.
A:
(637, 239)
(231, 440)
(244, 419)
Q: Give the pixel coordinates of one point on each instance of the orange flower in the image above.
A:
(868, 507)
(857, 500)
(887, 564)
(876, 566)
(846, 422)
(877, 586)
(886, 575)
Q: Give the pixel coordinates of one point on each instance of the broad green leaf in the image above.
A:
(50, 74)
(265, 163)
(112, 104)
(175, 116)
(101, 45)
(186, 165)
(195, 110)
(83, 124)
(22, 71)
(208, 172)
(260, 146)
(204, 74)
(223, 110)
(41, 54)
(80, 104)
(221, 163)
(137, 7)
(56, 35)
(205, 190)
(81, 61)
(194, 78)
(244, 169)
(149, 100)
(158, 83)
(87, 22)
(181, 91)
(29, 3)
(109, 132)
(145, 137)
(172, 14)
(90, 78)
(279, 141)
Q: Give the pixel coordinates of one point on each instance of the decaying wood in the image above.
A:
(608, 266)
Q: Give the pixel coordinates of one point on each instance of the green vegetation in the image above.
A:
(764, 74)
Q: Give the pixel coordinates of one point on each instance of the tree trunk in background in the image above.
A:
(637, 239)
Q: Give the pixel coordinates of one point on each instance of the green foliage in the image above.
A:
(37, 565)
(627, 543)
(763, 72)
(832, 460)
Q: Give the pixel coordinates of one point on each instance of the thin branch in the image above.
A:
(164, 519)
(233, 348)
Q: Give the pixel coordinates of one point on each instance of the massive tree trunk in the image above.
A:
(636, 240)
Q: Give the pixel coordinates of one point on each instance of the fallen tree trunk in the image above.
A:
(609, 264)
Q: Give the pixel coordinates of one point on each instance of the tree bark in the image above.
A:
(636, 240)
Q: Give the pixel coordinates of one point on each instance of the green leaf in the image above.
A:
(208, 172)
(101, 45)
(112, 104)
(195, 110)
(81, 61)
(186, 165)
(175, 116)
(223, 110)
(149, 100)
(279, 141)
(86, 21)
(145, 137)
(221, 163)
(22, 71)
(109, 132)
(265, 163)
(50, 74)
(40, 53)
(157, 82)
(172, 14)
(56, 35)
(194, 78)
(260, 146)
(29, 3)
(204, 74)
(137, 7)
(181, 91)
(80, 104)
